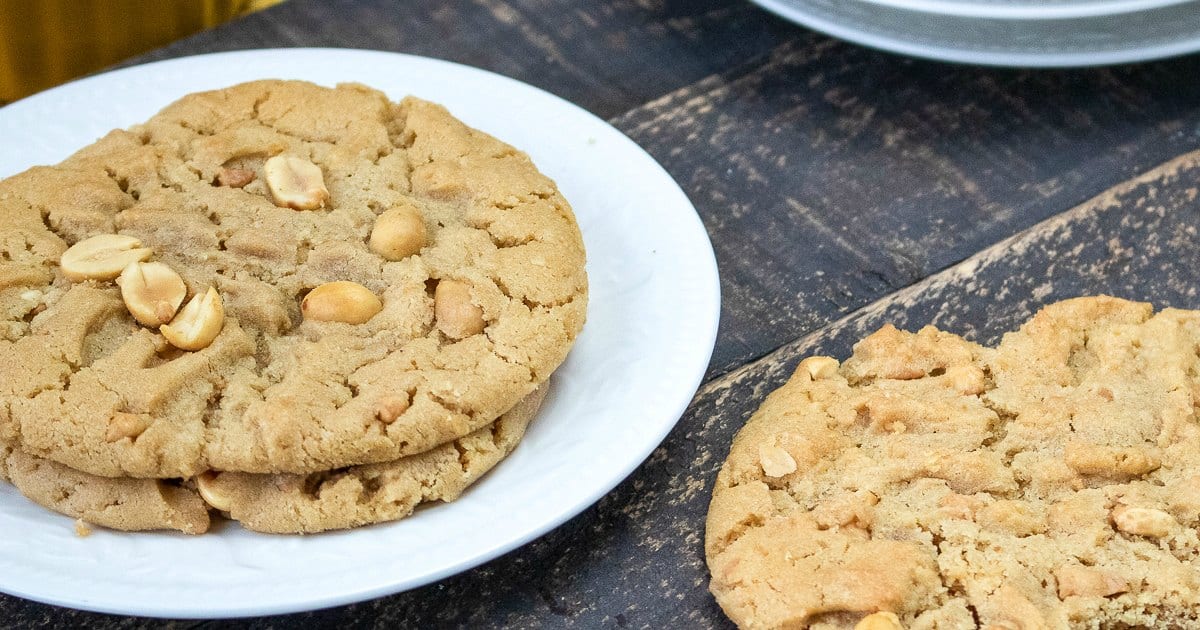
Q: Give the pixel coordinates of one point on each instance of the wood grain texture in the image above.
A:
(842, 188)
(607, 57)
(831, 175)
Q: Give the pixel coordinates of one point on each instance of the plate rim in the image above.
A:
(795, 13)
(707, 322)
(1027, 10)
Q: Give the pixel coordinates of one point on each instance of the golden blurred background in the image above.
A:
(47, 42)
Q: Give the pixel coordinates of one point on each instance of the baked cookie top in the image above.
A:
(390, 280)
(929, 482)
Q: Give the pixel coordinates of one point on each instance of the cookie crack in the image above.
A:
(46, 221)
(122, 184)
(464, 459)
(529, 303)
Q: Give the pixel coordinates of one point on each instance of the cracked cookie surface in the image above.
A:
(275, 391)
(1051, 482)
(280, 503)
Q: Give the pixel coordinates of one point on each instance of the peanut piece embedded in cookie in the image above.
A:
(457, 317)
(398, 233)
(1141, 521)
(295, 183)
(775, 461)
(879, 621)
(390, 407)
(152, 292)
(235, 177)
(125, 425)
(102, 257)
(198, 323)
(818, 368)
(342, 301)
(1081, 581)
(206, 486)
(1112, 462)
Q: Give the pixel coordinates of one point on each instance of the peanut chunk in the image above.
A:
(1016, 518)
(125, 425)
(1108, 461)
(195, 327)
(818, 368)
(881, 620)
(342, 301)
(1081, 581)
(152, 292)
(391, 407)
(295, 183)
(102, 257)
(1141, 521)
(960, 506)
(235, 177)
(457, 317)
(206, 485)
(775, 461)
(398, 233)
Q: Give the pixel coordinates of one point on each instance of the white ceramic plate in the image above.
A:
(1008, 32)
(652, 322)
(1028, 9)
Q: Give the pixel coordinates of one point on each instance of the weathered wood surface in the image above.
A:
(830, 176)
(842, 188)
(608, 56)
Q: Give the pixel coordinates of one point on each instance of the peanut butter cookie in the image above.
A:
(929, 482)
(279, 277)
(281, 503)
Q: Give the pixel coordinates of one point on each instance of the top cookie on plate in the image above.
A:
(390, 279)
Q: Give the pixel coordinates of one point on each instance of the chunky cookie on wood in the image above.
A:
(279, 278)
(929, 482)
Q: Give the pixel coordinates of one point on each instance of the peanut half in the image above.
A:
(342, 301)
(102, 257)
(152, 292)
(206, 485)
(295, 183)
(398, 233)
(195, 327)
(457, 317)
(879, 621)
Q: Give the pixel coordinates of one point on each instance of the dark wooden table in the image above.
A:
(842, 188)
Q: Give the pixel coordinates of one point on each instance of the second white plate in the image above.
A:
(999, 33)
(652, 322)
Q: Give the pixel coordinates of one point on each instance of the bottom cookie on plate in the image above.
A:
(371, 493)
(113, 502)
(283, 503)
(929, 482)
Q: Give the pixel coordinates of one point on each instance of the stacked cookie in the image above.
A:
(929, 482)
(305, 308)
